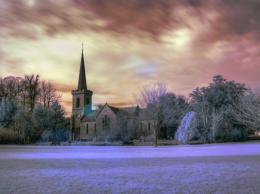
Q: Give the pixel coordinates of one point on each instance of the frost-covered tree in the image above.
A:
(149, 98)
(8, 109)
(213, 105)
(187, 129)
(247, 112)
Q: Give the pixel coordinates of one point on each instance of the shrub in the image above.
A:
(234, 134)
(8, 136)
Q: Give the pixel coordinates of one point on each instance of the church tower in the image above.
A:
(81, 97)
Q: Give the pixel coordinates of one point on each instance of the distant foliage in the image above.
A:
(29, 107)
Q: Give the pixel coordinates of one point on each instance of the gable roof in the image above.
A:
(126, 111)
(114, 109)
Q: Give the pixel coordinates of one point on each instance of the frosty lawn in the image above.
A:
(218, 168)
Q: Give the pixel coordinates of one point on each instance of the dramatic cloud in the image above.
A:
(130, 43)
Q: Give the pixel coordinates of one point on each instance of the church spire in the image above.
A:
(82, 83)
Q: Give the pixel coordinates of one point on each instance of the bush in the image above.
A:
(8, 136)
(234, 135)
(46, 136)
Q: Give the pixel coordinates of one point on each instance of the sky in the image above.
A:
(129, 44)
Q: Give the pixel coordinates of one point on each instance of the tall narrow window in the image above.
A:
(87, 129)
(78, 102)
(95, 129)
(103, 123)
(106, 122)
(149, 127)
(87, 100)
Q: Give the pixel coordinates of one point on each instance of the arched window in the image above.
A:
(78, 102)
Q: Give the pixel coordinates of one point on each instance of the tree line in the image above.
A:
(30, 111)
(225, 111)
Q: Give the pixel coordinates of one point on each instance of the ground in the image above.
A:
(216, 168)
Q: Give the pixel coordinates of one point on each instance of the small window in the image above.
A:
(149, 127)
(78, 102)
(95, 128)
(87, 129)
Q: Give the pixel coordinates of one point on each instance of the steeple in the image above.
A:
(82, 83)
(82, 97)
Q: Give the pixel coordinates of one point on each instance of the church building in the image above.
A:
(107, 122)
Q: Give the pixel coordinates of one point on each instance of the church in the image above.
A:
(106, 122)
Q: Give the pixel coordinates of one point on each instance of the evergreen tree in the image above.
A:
(57, 123)
(40, 119)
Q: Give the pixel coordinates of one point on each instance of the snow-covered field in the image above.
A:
(218, 168)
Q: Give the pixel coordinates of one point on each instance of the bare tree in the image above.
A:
(10, 87)
(149, 98)
(23, 92)
(47, 94)
(2, 89)
(32, 88)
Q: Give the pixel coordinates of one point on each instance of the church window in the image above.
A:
(87, 100)
(103, 123)
(78, 102)
(106, 122)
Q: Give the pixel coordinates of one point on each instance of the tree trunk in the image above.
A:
(156, 133)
